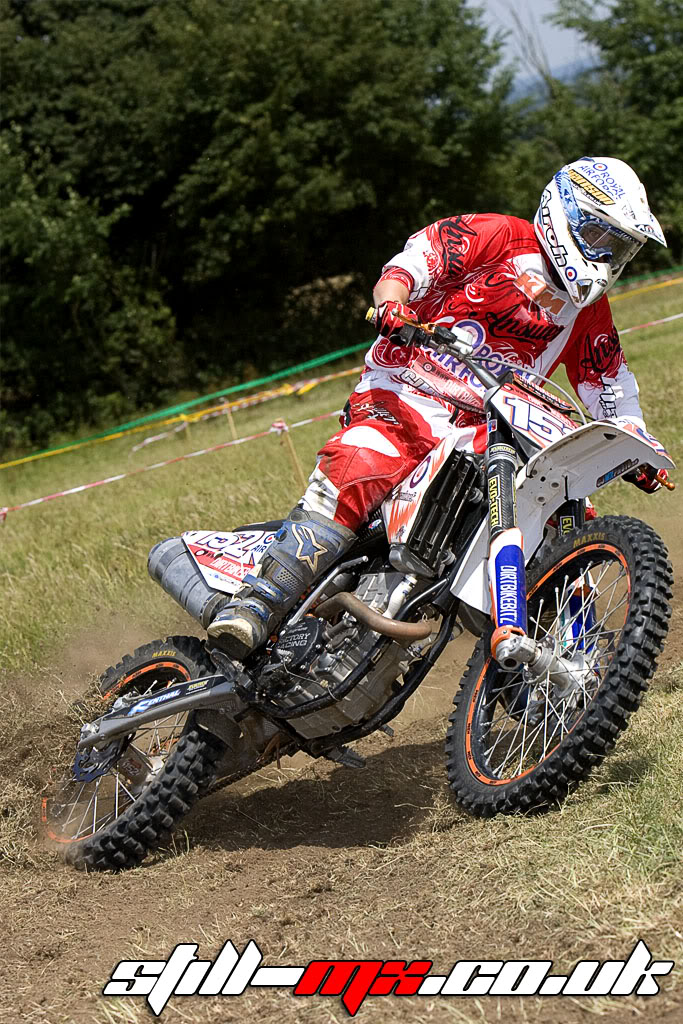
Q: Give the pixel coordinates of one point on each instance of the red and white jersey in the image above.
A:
(486, 273)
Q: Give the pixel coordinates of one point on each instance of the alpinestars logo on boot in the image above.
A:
(309, 550)
(231, 973)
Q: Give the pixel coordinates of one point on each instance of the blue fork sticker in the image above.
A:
(511, 587)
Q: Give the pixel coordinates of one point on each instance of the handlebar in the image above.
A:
(454, 341)
(458, 342)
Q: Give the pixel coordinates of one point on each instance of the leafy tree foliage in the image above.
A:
(200, 163)
(81, 335)
(631, 106)
(195, 189)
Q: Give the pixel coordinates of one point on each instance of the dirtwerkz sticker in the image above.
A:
(231, 973)
(619, 470)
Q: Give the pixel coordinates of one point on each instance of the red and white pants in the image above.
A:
(387, 429)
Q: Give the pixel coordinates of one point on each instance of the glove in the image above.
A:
(645, 478)
(387, 323)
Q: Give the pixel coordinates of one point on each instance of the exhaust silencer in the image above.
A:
(171, 565)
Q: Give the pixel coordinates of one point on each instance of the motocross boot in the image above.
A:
(305, 546)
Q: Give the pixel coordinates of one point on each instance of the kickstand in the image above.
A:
(273, 742)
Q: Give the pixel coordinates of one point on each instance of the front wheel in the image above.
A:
(600, 598)
(109, 810)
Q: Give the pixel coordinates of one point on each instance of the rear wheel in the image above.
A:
(600, 598)
(112, 807)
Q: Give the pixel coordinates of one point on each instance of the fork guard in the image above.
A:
(573, 467)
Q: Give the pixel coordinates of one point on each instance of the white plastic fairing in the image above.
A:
(573, 467)
(401, 507)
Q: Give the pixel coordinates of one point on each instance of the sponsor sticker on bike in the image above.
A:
(619, 470)
(226, 558)
(150, 702)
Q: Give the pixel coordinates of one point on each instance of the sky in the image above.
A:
(562, 46)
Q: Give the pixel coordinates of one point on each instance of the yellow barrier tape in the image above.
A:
(243, 403)
(646, 288)
(310, 384)
(82, 444)
(254, 399)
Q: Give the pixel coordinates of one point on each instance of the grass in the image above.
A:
(77, 559)
(313, 860)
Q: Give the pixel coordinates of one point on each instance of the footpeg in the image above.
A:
(344, 755)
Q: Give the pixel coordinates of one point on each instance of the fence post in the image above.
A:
(282, 430)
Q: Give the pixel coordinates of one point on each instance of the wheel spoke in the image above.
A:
(85, 808)
(526, 718)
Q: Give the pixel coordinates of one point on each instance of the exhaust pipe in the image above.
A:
(171, 565)
(379, 623)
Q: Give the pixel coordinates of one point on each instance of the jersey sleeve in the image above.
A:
(597, 368)
(449, 250)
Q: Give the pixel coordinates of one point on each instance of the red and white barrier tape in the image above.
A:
(300, 387)
(160, 437)
(276, 428)
(651, 323)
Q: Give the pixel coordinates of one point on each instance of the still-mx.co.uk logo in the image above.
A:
(231, 973)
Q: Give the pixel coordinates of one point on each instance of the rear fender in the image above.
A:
(224, 559)
(575, 466)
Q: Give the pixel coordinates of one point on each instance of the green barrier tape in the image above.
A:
(648, 274)
(319, 361)
(246, 385)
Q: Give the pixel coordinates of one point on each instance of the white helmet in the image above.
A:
(592, 220)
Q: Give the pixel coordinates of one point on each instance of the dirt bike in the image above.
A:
(570, 616)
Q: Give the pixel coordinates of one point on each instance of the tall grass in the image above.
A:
(78, 562)
(314, 860)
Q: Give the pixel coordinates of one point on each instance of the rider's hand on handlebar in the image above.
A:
(386, 321)
(645, 478)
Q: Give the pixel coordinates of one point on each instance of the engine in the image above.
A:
(312, 657)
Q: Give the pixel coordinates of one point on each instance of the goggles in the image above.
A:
(609, 243)
(599, 241)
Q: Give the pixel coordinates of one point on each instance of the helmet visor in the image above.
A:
(601, 242)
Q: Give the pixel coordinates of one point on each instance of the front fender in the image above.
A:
(573, 467)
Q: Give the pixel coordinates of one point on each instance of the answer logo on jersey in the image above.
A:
(390, 355)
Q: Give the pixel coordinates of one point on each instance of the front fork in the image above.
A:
(510, 644)
(506, 565)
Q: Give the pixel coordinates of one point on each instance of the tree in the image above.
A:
(82, 339)
(631, 105)
(182, 176)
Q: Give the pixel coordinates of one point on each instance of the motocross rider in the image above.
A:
(532, 296)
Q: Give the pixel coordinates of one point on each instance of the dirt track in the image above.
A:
(311, 861)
